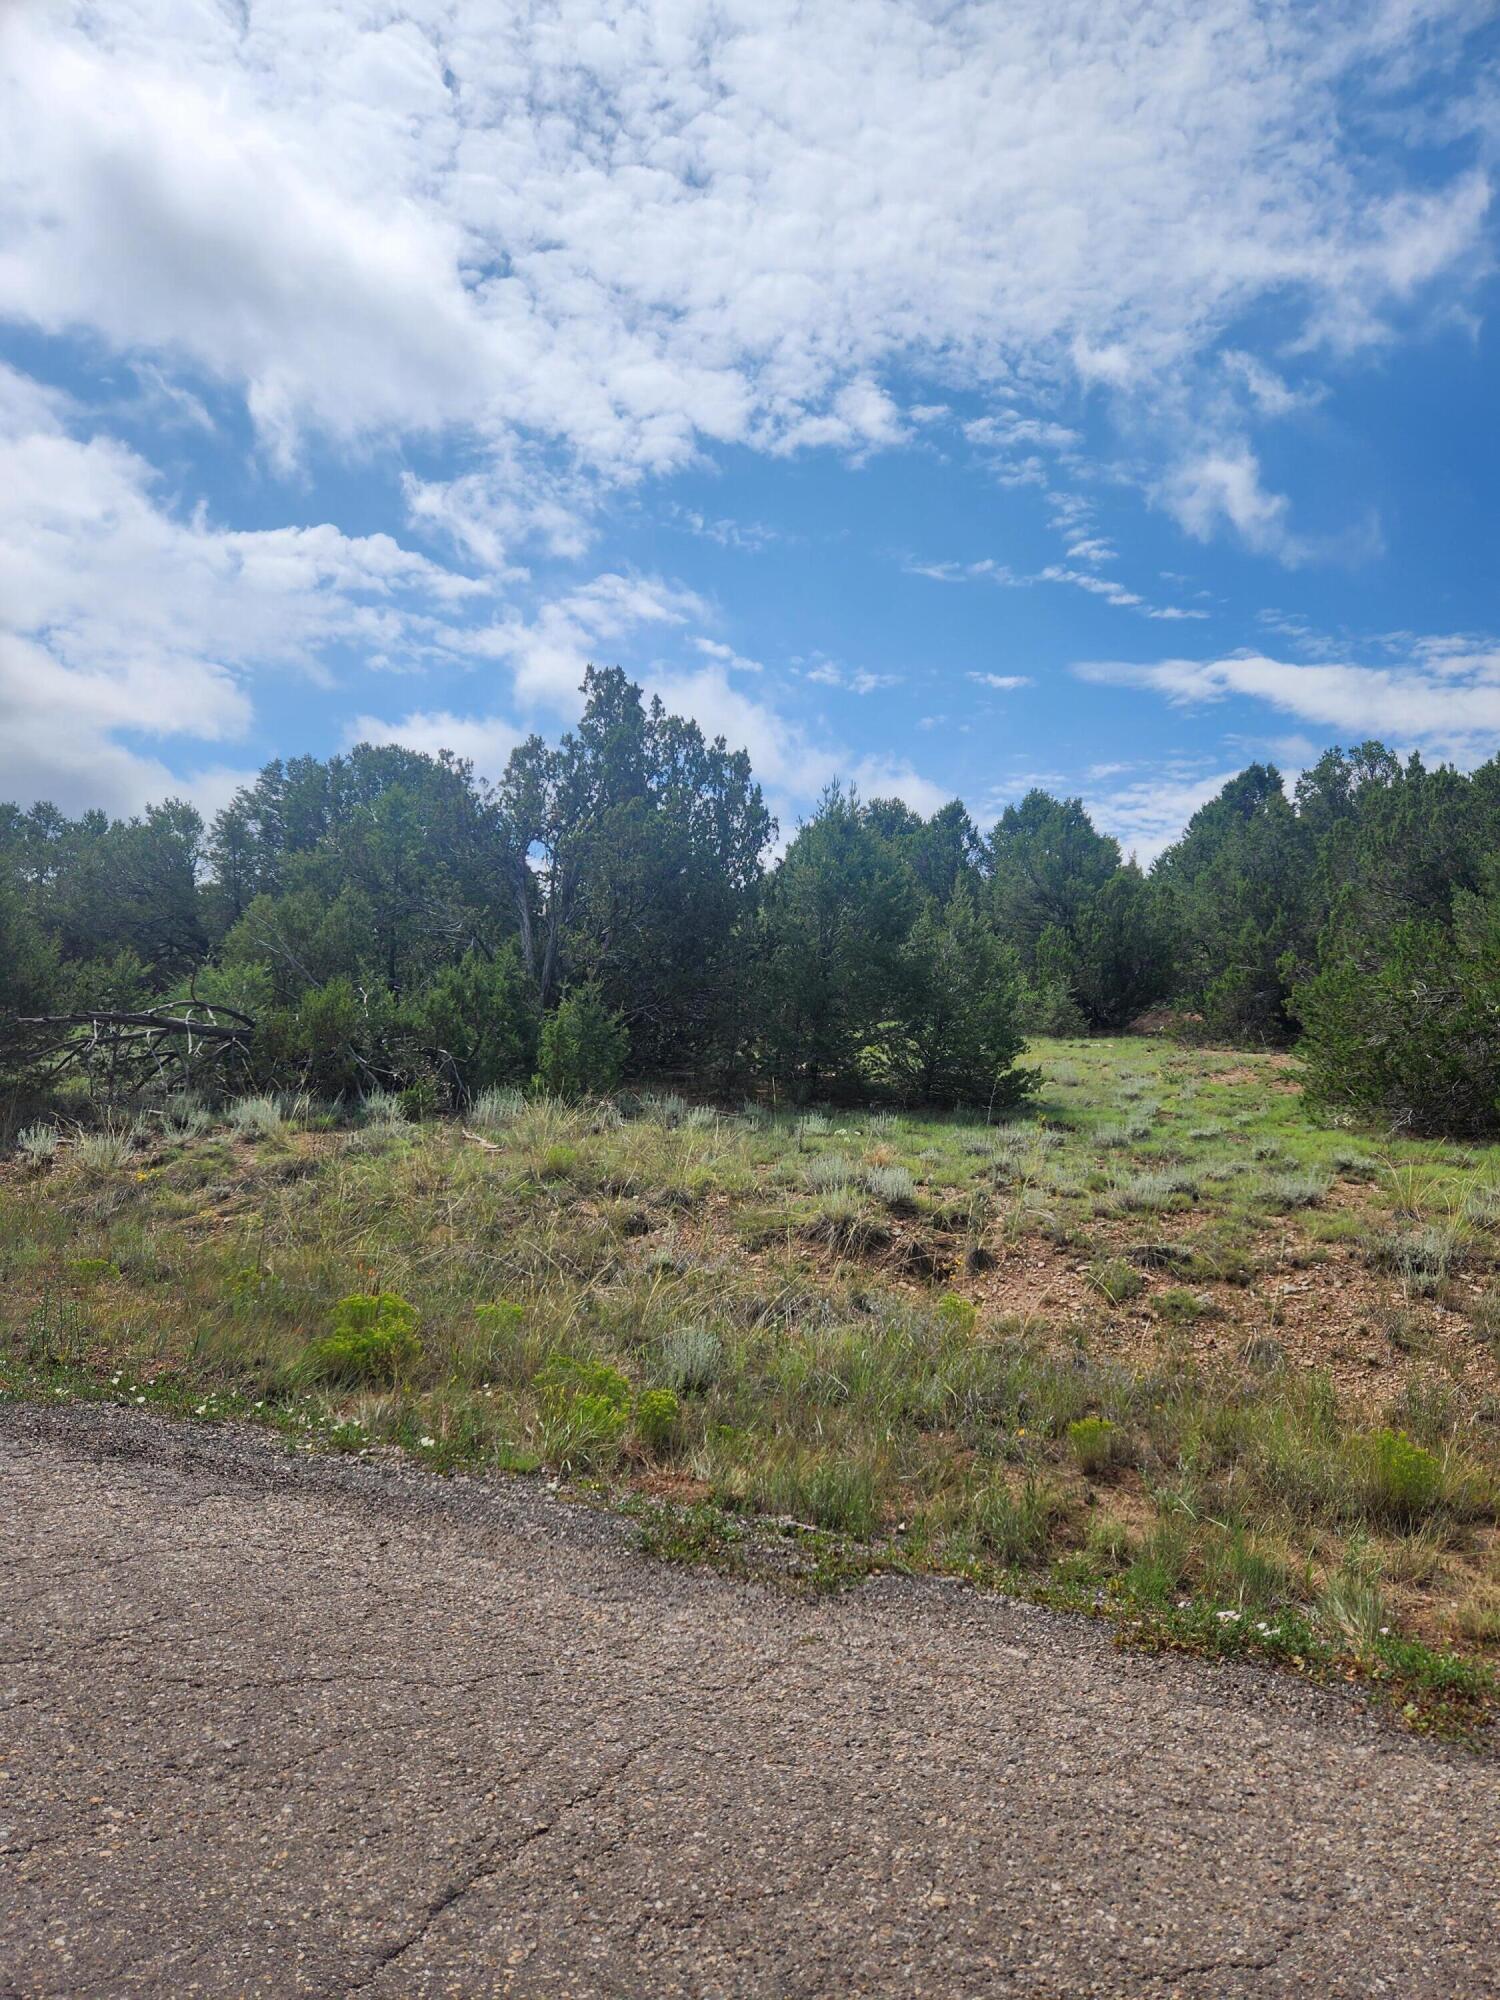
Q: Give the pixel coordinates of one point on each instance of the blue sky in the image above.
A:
(946, 398)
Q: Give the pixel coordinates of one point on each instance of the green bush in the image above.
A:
(1180, 1307)
(1402, 1023)
(582, 1048)
(501, 1320)
(566, 1379)
(479, 1020)
(957, 1315)
(656, 1414)
(373, 1340)
(1095, 1443)
(1402, 1482)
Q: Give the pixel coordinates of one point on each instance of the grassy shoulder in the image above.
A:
(1160, 1349)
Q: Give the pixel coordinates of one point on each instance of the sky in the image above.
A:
(943, 398)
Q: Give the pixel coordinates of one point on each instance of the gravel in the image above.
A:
(281, 1725)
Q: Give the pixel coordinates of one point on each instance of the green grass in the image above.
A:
(1082, 1352)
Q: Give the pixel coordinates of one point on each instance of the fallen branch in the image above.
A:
(154, 1022)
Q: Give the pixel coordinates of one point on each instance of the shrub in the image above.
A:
(374, 1340)
(692, 1360)
(957, 1315)
(892, 1185)
(88, 1268)
(566, 1379)
(1095, 1443)
(256, 1117)
(1401, 1481)
(583, 1046)
(383, 1108)
(104, 1152)
(1288, 1191)
(1181, 1307)
(1145, 1193)
(1484, 1317)
(664, 1107)
(1422, 1258)
(585, 1407)
(500, 1322)
(828, 1173)
(37, 1144)
(656, 1414)
(183, 1116)
(1115, 1280)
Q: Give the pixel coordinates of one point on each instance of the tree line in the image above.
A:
(611, 908)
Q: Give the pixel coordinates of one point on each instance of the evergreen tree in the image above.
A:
(955, 1038)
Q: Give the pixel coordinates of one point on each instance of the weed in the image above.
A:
(1095, 1443)
(494, 1109)
(1180, 1307)
(1115, 1280)
(373, 1340)
(957, 1315)
(1401, 1481)
(656, 1416)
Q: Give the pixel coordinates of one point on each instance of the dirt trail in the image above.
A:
(279, 1726)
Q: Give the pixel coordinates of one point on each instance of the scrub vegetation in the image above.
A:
(1232, 1377)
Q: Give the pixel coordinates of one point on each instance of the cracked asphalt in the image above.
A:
(288, 1726)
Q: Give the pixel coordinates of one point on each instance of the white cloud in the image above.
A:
(119, 615)
(1148, 815)
(1271, 393)
(792, 765)
(715, 649)
(1106, 587)
(894, 778)
(488, 515)
(1223, 483)
(486, 741)
(1003, 682)
(854, 680)
(583, 627)
(1445, 694)
(638, 229)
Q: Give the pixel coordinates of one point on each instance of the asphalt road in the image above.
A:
(294, 1727)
